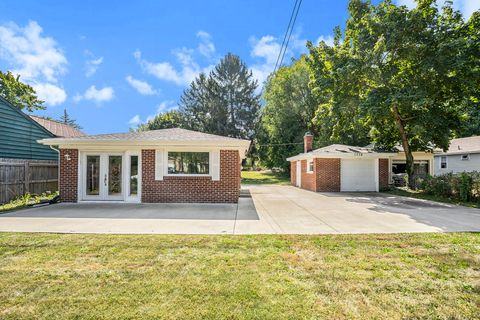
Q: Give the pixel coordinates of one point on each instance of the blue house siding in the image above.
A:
(19, 135)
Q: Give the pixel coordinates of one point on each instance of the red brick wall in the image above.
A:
(293, 173)
(192, 189)
(327, 173)
(383, 174)
(308, 179)
(68, 180)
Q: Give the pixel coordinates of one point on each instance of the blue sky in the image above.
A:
(113, 64)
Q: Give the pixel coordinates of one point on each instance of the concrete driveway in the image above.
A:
(270, 209)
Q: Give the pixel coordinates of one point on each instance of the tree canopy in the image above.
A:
(19, 94)
(66, 119)
(288, 113)
(409, 76)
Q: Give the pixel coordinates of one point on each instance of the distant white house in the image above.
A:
(463, 155)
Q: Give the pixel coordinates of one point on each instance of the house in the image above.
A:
(27, 166)
(463, 155)
(168, 165)
(340, 167)
(19, 134)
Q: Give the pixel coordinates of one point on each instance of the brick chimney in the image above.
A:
(307, 142)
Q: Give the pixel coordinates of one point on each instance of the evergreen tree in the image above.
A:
(225, 102)
(65, 118)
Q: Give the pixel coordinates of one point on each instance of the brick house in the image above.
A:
(339, 167)
(168, 165)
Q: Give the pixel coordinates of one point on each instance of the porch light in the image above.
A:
(67, 157)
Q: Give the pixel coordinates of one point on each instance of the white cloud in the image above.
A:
(51, 93)
(206, 46)
(134, 121)
(92, 64)
(466, 7)
(266, 48)
(96, 95)
(36, 58)
(142, 87)
(185, 57)
(328, 40)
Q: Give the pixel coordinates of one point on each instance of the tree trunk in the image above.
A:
(406, 147)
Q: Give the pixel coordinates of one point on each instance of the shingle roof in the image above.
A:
(57, 128)
(342, 148)
(167, 135)
(462, 145)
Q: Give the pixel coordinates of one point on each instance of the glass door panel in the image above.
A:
(133, 175)
(93, 176)
(114, 175)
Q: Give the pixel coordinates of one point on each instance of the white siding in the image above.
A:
(455, 164)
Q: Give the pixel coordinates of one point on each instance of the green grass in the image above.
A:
(24, 201)
(418, 194)
(414, 276)
(264, 177)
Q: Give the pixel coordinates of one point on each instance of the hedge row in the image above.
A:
(463, 186)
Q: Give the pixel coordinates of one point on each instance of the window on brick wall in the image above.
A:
(309, 166)
(188, 163)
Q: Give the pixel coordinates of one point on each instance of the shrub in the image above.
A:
(463, 186)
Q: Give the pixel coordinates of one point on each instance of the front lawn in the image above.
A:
(264, 177)
(407, 276)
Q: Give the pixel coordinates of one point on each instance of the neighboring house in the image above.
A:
(168, 165)
(19, 134)
(349, 168)
(463, 155)
(27, 166)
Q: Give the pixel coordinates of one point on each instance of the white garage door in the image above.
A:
(358, 175)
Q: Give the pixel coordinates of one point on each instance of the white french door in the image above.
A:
(103, 176)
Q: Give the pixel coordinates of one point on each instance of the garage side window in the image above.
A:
(309, 166)
(443, 162)
(188, 162)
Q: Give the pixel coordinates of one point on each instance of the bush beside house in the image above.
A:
(463, 186)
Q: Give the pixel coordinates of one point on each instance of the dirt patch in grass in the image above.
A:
(400, 276)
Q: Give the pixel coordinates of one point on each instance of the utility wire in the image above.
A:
(291, 30)
(288, 34)
(278, 144)
(285, 36)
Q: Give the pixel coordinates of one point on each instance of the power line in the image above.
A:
(285, 36)
(288, 34)
(278, 144)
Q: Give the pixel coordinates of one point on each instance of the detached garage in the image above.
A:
(340, 168)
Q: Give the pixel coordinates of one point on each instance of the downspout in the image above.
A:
(58, 169)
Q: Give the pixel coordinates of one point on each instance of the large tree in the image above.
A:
(19, 94)
(225, 102)
(410, 72)
(288, 113)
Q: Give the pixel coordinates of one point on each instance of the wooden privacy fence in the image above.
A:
(18, 177)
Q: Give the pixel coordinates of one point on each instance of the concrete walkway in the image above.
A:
(270, 210)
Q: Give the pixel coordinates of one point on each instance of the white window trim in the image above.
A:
(309, 161)
(214, 169)
(446, 162)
